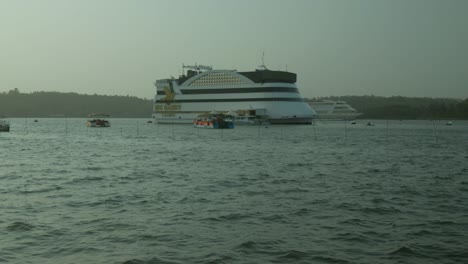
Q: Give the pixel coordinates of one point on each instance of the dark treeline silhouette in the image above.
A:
(55, 104)
(398, 107)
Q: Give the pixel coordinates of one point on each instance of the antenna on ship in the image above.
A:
(263, 67)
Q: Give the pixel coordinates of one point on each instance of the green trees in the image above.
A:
(55, 104)
(398, 107)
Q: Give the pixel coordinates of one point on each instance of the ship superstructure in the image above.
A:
(333, 110)
(271, 95)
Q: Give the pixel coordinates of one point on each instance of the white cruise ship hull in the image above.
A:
(270, 95)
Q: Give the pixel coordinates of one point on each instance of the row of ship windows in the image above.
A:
(215, 82)
(217, 78)
(217, 74)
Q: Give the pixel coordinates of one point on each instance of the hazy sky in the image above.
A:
(337, 47)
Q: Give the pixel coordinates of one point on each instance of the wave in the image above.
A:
(229, 217)
(291, 256)
(216, 258)
(20, 226)
(350, 237)
(93, 168)
(355, 222)
(265, 247)
(408, 251)
(150, 261)
(404, 250)
(247, 245)
(328, 259)
(42, 190)
(302, 212)
(277, 218)
(381, 210)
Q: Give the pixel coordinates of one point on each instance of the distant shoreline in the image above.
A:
(54, 104)
(14, 104)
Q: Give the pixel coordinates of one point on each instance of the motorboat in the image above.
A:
(214, 120)
(98, 121)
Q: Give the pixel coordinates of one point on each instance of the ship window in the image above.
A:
(219, 78)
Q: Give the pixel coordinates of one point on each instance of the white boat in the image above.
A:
(333, 110)
(271, 95)
(4, 125)
(249, 117)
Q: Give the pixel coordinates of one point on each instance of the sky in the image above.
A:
(415, 48)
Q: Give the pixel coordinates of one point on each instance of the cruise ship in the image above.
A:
(333, 110)
(262, 94)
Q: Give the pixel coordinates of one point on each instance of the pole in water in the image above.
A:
(435, 132)
(313, 127)
(387, 130)
(173, 135)
(120, 131)
(66, 126)
(138, 129)
(346, 131)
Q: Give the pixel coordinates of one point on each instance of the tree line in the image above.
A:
(55, 104)
(399, 107)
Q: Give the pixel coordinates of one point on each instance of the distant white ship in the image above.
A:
(263, 94)
(334, 110)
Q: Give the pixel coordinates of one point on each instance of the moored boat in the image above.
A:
(249, 117)
(4, 125)
(98, 121)
(213, 120)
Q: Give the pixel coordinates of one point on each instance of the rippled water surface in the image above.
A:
(334, 192)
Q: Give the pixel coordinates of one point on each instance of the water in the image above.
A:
(144, 193)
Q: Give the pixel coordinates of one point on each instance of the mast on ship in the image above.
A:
(263, 67)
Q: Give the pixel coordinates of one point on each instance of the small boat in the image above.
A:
(97, 121)
(448, 123)
(249, 117)
(4, 125)
(353, 122)
(35, 121)
(370, 124)
(213, 120)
